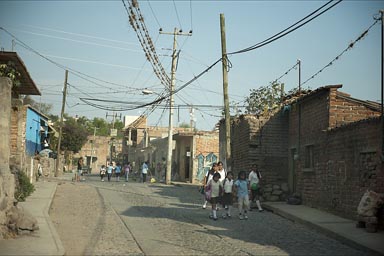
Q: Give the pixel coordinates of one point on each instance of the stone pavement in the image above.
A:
(336, 227)
(46, 241)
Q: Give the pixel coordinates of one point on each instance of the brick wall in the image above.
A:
(261, 141)
(344, 109)
(206, 143)
(351, 165)
(346, 159)
(307, 121)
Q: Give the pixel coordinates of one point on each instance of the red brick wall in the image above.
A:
(350, 165)
(205, 144)
(344, 110)
(346, 158)
(312, 121)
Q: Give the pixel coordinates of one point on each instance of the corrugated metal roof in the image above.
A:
(27, 86)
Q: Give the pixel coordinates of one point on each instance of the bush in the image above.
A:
(23, 186)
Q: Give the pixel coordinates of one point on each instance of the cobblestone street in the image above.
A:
(156, 219)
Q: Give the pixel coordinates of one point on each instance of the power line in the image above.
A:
(285, 73)
(136, 20)
(71, 70)
(153, 13)
(350, 46)
(177, 15)
(264, 42)
(288, 30)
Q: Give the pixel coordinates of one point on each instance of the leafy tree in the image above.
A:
(102, 126)
(9, 70)
(184, 125)
(74, 135)
(264, 99)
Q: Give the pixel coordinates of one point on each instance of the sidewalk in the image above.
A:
(44, 241)
(336, 227)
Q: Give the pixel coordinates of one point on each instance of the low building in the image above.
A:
(324, 146)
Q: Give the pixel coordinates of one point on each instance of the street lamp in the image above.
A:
(148, 92)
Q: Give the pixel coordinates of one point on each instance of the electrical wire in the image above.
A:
(288, 30)
(153, 13)
(177, 15)
(190, 8)
(350, 46)
(286, 73)
(79, 74)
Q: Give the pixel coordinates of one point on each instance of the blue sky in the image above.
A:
(95, 38)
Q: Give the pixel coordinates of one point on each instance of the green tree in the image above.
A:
(102, 126)
(74, 135)
(265, 99)
(9, 70)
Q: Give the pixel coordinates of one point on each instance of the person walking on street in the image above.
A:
(79, 168)
(223, 174)
(117, 171)
(241, 188)
(227, 196)
(207, 178)
(109, 171)
(127, 169)
(102, 172)
(216, 189)
(254, 183)
(222, 171)
(144, 171)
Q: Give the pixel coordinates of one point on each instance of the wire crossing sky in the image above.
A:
(99, 47)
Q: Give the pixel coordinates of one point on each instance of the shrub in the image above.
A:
(23, 186)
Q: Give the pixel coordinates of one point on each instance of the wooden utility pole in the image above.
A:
(171, 102)
(61, 124)
(225, 90)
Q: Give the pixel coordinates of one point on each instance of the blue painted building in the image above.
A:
(36, 131)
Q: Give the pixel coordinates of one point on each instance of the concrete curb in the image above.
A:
(55, 235)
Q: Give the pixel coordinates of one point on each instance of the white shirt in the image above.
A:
(144, 168)
(222, 175)
(253, 178)
(228, 185)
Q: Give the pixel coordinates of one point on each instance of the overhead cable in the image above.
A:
(350, 46)
(71, 70)
(288, 30)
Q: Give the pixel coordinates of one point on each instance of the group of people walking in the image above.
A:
(117, 170)
(220, 188)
